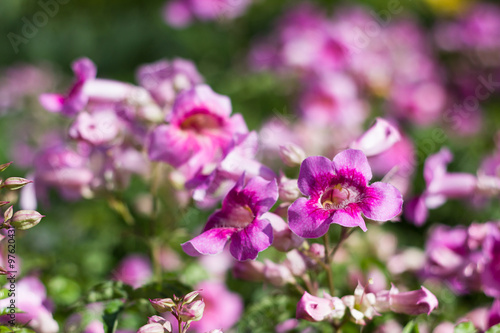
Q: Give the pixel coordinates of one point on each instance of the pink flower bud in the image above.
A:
(288, 189)
(4, 166)
(3, 203)
(292, 155)
(317, 250)
(167, 326)
(25, 219)
(378, 138)
(192, 311)
(151, 328)
(191, 296)
(15, 183)
(7, 215)
(162, 304)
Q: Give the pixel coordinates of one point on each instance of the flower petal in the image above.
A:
(248, 242)
(315, 174)
(84, 69)
(52, 102)
(170, 145)
(353, 159)
(381, 202)
(416, 211)
(258, 194)
(209, 242)
(349, 217)
(200, 97)
(307, 219)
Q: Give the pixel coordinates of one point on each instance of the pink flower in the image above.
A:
(312, 308)
(164, 79)
(75, 100)
(420, 102)
(31, 298)
(338, 193)
(441, 185)
(332, 99)
(88, 90)
(134, 270)
(494, 314)
(200, 129)
(177, 13)
(96, 128)
(411, 302)
(381, 136)
(61, 167)
(490, 276)
(240, 158)
(240, 220)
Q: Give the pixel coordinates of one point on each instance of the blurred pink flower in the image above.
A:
(31, 298)
(134, 270)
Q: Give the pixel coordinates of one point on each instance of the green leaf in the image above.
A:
(4, 293)
(7, 311)
(63, 290)
(16, 329)
(494, 329)
(106, 291)
(411, 327)
(111, 314)
(466, 327)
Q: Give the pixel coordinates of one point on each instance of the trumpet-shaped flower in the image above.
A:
(200, 130)
(338, 192)
(240, 220)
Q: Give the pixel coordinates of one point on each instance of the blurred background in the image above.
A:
(81, 243)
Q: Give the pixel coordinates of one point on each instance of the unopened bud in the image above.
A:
(25, 219)
(317, 250)
(3, 203)
(191, 296)
(192, 311)
(288, 189)
(151, 328)
(162, 304)
(15, 183)
(7, 215)
(292, 155)
(4, 166)
(167, 326)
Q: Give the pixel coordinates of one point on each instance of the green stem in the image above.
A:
(328, 264)
(344, 234)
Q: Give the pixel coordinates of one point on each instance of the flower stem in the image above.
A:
(328, 264)
(344, 234)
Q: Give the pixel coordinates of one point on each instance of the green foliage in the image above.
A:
(265, 313)
(411, 327)
(467, 327)
(14, 329)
